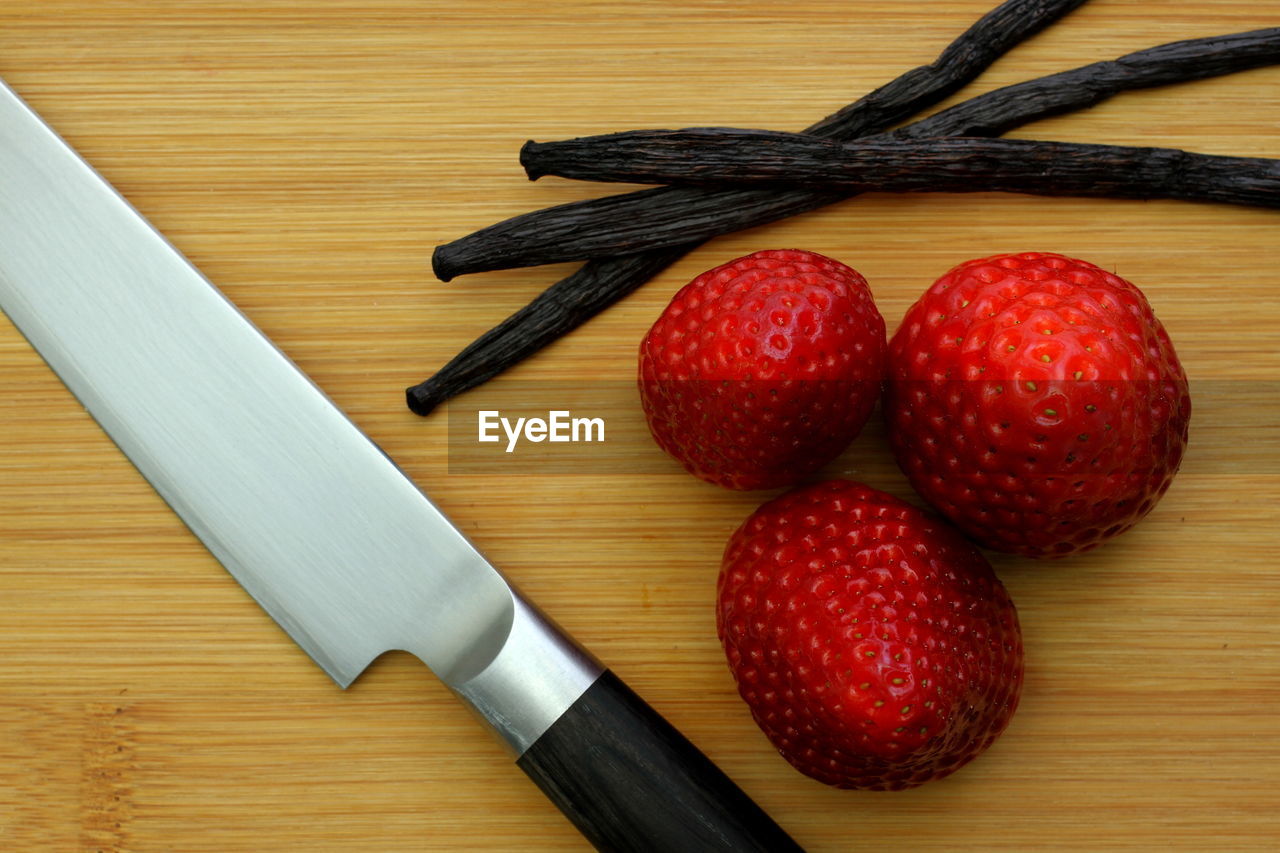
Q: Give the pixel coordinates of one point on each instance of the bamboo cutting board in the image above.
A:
(308, 156)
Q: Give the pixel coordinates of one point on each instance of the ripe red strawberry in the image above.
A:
(762, 370)
(1037, 402)
(875, 646)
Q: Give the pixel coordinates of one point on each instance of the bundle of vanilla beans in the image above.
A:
(719, 180)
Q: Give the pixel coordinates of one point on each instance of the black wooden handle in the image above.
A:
(630, 782)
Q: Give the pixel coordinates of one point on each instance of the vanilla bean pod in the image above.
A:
(599, 283)
(723, 156)
(654, 218)
(556, 311)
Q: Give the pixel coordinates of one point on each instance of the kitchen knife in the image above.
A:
(313, 519)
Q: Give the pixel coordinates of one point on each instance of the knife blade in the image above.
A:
(316, 523)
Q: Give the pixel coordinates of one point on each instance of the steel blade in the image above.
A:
(343, 551)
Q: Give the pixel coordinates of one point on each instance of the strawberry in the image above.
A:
(874, 646)
(764, 369)
(1037, 402)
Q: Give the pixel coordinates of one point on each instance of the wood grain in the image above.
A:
(308, 156)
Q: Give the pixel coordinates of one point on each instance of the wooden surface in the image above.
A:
(308, 156)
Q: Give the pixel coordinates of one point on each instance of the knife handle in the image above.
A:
(630, 782)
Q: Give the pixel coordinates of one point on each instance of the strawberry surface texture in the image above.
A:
(874, 645)
(1037, 402)
(764, 369)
